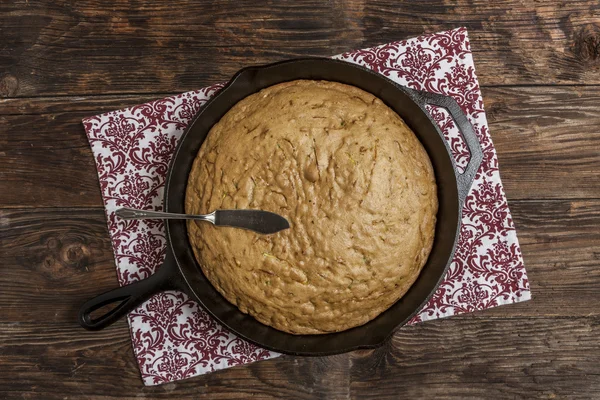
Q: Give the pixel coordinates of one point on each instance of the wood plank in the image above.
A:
(459, 357)
(61, 361)
(91, 105)
(478, 358)
(82, 48)
(45, 160)
(548, 141)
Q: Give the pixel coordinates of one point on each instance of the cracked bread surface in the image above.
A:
(356, 186)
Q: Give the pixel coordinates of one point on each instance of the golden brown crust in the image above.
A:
(353, 181)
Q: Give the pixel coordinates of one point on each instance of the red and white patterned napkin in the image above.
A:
(172, 337)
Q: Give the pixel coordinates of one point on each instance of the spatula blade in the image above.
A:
(260, 221)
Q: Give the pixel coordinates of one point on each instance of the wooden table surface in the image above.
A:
(539, 66)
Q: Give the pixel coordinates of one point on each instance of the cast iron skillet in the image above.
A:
(180, 270)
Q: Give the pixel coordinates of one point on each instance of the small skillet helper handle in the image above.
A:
(464, 180)
(130, 296)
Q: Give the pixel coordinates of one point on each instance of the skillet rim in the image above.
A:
(375, 340)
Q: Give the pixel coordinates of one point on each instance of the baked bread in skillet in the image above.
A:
(356, 186)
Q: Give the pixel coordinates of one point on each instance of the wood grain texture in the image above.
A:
(76, 48)
(546, 137)
(538, 62)
(55, 259)
(518, 359)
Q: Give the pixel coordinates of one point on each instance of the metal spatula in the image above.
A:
(260, 221)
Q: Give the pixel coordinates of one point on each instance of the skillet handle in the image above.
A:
(130, 296)
(464, 180)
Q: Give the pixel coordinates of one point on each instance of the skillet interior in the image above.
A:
(253, 79)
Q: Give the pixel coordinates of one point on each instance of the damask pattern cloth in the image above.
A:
(175, 339)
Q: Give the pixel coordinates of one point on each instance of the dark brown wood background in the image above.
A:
(539, 66)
